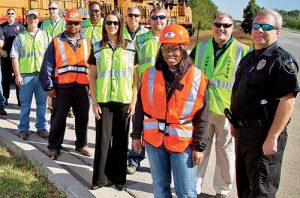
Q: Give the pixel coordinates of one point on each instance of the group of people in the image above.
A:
(178, 102)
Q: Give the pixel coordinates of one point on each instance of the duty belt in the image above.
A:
(252, 123)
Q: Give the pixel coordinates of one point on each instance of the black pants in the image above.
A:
(78, 99)
(111, 145)
(257, 175)
(6, 76)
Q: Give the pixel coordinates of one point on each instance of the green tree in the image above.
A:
(203, 11)
(249, 14)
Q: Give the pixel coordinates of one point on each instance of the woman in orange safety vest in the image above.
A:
(172, 111)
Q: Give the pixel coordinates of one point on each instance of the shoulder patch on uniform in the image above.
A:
(261, 64)
(289, 66)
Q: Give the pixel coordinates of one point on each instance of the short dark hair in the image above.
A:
(93, 3)
(9, 9)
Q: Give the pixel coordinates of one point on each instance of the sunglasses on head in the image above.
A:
(224, 25)
(264, 27)
(155, 17)
(94, 11)
(11, 13)
(134, 15)
(52, 8)
(112, 22)
(73, 23)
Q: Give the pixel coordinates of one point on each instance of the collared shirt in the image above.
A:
(219, 51)
(10, 31)
(131, 33)
(54, 22)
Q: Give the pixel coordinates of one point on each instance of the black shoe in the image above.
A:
(52, 153)
(131, 169)
(43, 133)
(2, 111)
(120, 187)
(220, 196)
(23, 134)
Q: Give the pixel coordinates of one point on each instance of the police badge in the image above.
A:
(261, 64)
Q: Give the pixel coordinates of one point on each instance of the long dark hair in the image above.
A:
(120, 40)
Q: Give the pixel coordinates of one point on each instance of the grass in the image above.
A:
(18, 179)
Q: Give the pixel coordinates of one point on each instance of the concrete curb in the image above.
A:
(57, 175)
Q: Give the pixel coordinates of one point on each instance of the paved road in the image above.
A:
(139, 184)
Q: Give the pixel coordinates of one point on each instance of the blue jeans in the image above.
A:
(32, 86)
(2, 99)
(162, 162)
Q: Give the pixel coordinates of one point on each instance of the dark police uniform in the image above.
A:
(10, 32)
(263, 76)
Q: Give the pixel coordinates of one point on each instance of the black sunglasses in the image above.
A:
(112, 22)
(134, 15)
(10, 13)
(264, 27)
(155, 17)
(94, 11)
(76, 23)
(52, 8)
(224, 25)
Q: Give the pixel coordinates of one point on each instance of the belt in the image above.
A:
(252, 123)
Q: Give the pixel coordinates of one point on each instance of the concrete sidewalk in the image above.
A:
(71, 173)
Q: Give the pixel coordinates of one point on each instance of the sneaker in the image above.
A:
(2, 111)
(131, 169)
(43, 133)
(70, 114)
(52, 153)
(220, 196)
(120, 187)
(84, 151)
(23, 134)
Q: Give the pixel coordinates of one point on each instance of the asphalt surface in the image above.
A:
(71, 173)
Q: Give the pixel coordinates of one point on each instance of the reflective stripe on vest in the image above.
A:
(53, 31)
(94, 33)
(114, 73)
(32, 50)
(238, 58)
(70, 68)
(147, 49)
(63, 51)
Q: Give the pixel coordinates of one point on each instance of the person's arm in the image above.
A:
(14, 55)
(137, 125)
(93, 88)
(200, 133)
(131, 108)
(282, 116)
(3, 53)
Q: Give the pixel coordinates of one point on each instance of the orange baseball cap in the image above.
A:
(73, 15)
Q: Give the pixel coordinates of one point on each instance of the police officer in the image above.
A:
(11, 28)
(262, 102)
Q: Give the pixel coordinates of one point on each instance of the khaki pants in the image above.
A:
(225, 156)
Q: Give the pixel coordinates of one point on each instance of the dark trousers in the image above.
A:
(257, 175)
(77, 98)
(6, 76)
(111, 145)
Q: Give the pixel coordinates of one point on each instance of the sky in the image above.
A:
(236, 7)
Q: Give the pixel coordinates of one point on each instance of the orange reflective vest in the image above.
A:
(71, 64)
(171, 123)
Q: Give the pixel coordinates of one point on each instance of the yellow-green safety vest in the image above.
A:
(114, 73)
(221, 74)
(94, 33)
(146, 48)
(59, 27)
(127, 36)
(32, 50)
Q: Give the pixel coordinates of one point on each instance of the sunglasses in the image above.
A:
(134, 15)
(52, 8)
(112, 22)
(264, 27)
(94, 11)
(76, 23)
(224, 25)
(10, 13)
(32, 17)
(173, 49)
(155, 17)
